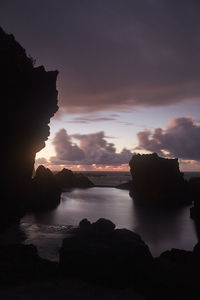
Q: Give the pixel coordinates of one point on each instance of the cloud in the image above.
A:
(91, 118)
(132, 54)
(181, 139)
(41, 161)
(66, 150)
(113, 54)
(92, 149)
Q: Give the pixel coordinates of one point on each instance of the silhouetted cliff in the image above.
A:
(157, 180)
(28, 100)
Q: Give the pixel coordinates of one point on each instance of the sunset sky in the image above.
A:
(129, 77)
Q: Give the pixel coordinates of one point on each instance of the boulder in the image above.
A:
(84, 225)
(103, 226)
(177, 256)
(100, 227)
(99, 252)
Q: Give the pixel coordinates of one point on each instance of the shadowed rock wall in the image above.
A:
(28, 99)
(157, 180)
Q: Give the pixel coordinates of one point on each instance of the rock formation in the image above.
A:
(101, 253)
(194, 188)
(67, 179)
(44, 192)
(46, 187)
(21, 264)
(29, 100)
(157, 180)
(175, 275)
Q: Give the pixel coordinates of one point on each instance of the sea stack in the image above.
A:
(29, 100)
(157, 180)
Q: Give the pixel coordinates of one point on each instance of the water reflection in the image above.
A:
(161, 230)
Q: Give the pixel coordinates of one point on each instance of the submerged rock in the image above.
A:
(157, 180)
(28, 101)
(99, 252)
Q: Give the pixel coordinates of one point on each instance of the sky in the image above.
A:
(128, 79)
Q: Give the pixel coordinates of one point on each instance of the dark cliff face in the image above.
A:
(28, 100)
(157, 180)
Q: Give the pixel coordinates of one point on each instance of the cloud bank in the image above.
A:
(90, 149)
(113, 54)
(132, 53)
(181, 139)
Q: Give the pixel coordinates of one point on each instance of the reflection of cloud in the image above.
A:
(180, 139)
(92, 149)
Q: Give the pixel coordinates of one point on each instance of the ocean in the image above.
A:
(161, 230)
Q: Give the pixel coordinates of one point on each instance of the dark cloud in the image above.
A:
(92, 149)
(180, 139)
(91, 118)
(113, 53)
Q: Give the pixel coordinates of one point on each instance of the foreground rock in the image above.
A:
(175, 275)
(20, 264)
(29, 100)
(157, 181)
(99, 252)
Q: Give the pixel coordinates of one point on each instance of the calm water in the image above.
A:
(160, 230)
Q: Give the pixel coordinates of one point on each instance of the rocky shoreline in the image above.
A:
(99, 256)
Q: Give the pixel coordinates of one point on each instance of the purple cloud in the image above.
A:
(91, 118)
(181, 139)
(92, 149)
(66, 150)
(113, 54)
